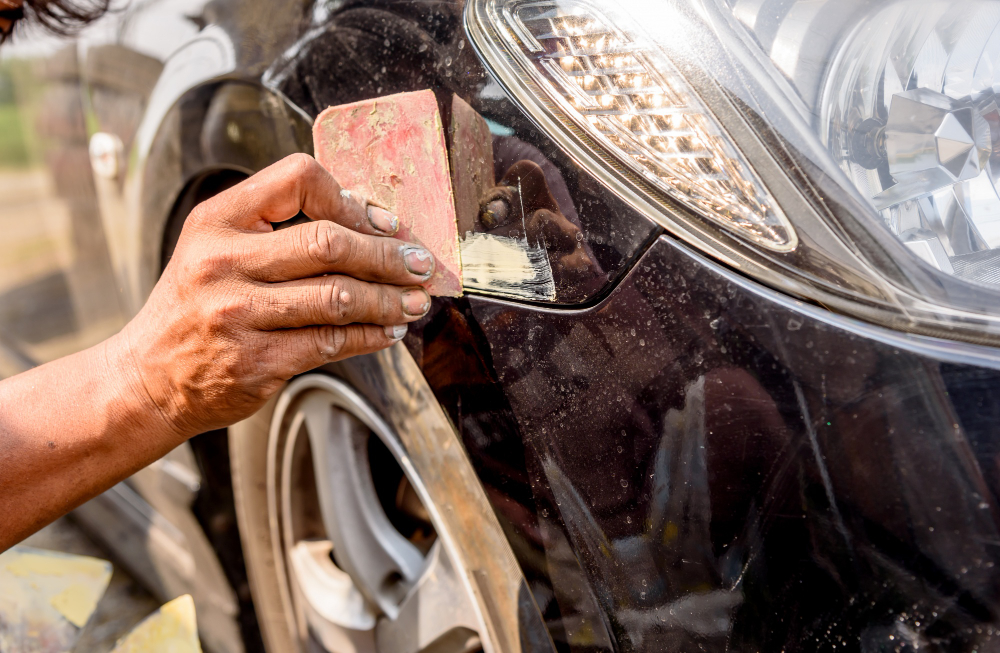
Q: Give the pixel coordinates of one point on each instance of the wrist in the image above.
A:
(132, 392)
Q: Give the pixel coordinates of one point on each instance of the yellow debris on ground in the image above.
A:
(47, 597)
(171, 629)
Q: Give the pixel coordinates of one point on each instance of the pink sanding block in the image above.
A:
(392, 151)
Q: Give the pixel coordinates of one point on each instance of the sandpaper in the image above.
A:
(471, 163)
(392, 151)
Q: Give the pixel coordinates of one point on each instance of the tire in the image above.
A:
(341, 552)
(248, 464)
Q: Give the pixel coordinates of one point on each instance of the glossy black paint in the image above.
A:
(696, 463)
(682, 460)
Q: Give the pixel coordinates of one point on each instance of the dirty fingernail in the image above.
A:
(416, 301)
(418, 260)
(382, 220)
(395, 332)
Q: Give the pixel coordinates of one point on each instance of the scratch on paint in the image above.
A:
(506, 267)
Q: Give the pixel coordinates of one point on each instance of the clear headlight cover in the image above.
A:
(845, 151)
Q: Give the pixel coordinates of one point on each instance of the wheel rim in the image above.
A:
(366, 565)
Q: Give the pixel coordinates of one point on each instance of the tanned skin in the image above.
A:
(240, 309)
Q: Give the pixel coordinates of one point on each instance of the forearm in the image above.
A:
(69, 430)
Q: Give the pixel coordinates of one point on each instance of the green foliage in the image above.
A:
(13, 151)
(6, 86)
(13, 148)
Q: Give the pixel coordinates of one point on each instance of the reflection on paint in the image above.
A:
(171, 629)
(508, 267)
(46, 598)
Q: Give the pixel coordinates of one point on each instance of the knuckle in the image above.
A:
(389, 303)
(204, 212)
(281, 309)
(265, 389)
(373, 339)
(301, 165)
(335, 299)
(211, 214)
(198, 214)
(355, 250)
(209, 266)
(330, 342)
(234, 307)
(329, 244)
(359, 253)
(386, 256)
(225, 314)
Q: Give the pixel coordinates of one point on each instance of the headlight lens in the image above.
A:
(913, 119)
(847, 152)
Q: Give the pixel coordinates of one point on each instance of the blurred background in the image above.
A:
(52, 301)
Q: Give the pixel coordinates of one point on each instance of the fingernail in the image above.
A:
(382, 220)
(418, 260)
(395, 332)
(416, 301)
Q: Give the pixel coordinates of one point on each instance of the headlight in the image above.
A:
(844, 151)
(912, 117)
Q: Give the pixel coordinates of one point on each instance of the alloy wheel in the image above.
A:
(364, 563)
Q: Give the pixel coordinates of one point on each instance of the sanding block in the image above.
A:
(392, 152)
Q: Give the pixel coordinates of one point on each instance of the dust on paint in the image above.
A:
(506, 267)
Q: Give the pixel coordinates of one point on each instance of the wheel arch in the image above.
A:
(216, 134)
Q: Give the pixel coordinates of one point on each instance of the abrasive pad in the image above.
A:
(392, 151)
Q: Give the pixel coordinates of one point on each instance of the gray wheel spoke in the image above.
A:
(383, 563)
(437, 616)
(333, 604)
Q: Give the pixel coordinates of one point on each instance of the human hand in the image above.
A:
(241, 308)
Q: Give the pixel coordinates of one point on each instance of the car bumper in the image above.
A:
(699, 461)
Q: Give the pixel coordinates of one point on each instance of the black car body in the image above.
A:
(684, 447)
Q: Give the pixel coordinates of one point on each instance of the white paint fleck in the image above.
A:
(421, 253)
(507, 267)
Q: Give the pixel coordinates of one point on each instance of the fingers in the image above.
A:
(299, 350)
(315, 248)
(557, 231)
(296, 183)
(337, 300)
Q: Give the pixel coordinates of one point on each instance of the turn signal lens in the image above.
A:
(603, 79)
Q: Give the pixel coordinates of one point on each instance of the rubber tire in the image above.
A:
(248, 460)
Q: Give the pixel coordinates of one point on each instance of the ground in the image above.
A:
(124, 604)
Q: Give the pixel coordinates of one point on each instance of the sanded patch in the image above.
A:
(507, 267)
